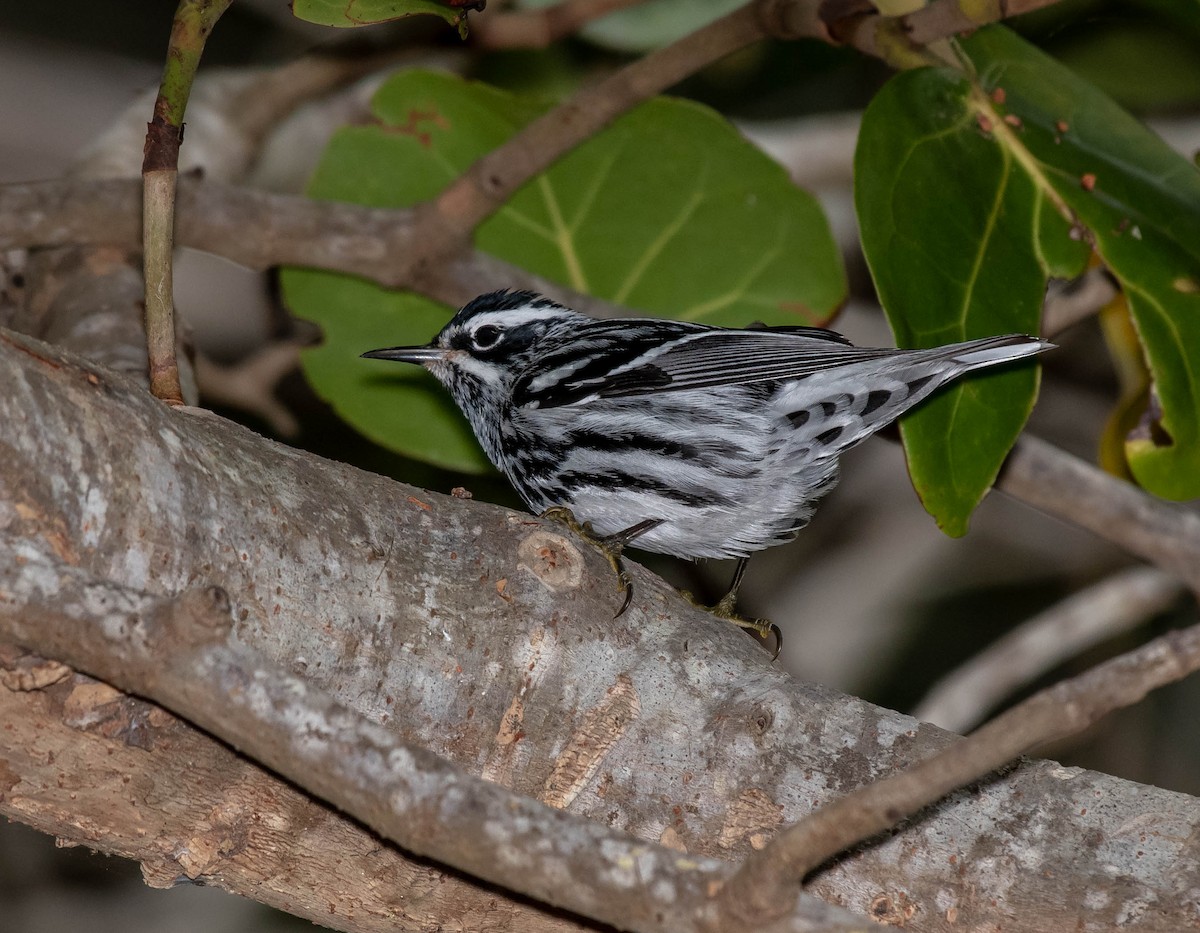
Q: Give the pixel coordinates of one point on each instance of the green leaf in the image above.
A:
(345, 13)
(947, 223)
(399, 407)
(970, 191)
(669, 211)
(1140, 203)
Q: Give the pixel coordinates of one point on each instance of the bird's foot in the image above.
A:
(726, 608)
(611, 546)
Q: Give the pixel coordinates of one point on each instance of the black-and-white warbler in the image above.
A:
(700, 441)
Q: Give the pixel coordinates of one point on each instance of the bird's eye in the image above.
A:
(486, 337)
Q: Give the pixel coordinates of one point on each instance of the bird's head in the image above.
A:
(484, 349)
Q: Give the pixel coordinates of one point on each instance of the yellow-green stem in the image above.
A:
(194, 20)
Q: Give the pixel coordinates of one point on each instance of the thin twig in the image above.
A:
(768, 877)
(1066, 487)
(444, 225)
(1114, 605)
(158, 224)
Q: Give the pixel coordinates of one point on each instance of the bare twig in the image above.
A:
(259, 230)
(538, 28)
(158, 222)
(1114, 605)
(768, 876)
(1066, 487)
(250, 384)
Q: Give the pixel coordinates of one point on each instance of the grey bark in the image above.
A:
(180, 651)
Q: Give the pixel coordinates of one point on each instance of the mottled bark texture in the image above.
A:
(181, 651)
(91, 765)
(488, 638)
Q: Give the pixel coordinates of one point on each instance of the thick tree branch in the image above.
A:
(178, 651)
(87, 764)
(256, 229)
(665, 723)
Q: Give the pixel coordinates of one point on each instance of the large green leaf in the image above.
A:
(971, 188)
(345, 13)
(1140, 203)
(948, 223)
(669, 211)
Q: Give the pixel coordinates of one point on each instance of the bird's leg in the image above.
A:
(726, 608)
(611, 546)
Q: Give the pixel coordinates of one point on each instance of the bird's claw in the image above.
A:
(726, 608)
(610, 546)
(626, 587)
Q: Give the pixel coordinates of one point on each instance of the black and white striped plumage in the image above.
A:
(729, 437)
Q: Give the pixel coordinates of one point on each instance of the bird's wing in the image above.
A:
(739, 357)
(696, 360)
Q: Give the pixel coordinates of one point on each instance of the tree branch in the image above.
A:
(1066, 487)
(427, 248)
(1113, 606)
(259, 230)
(87, 764)
(444, 224)
(178, 651)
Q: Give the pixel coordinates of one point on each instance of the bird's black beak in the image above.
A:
(406, 354)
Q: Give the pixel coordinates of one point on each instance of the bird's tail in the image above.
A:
(990, 351)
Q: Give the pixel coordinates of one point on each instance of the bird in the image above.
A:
(688, 439)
